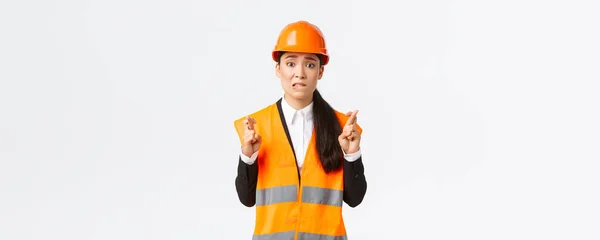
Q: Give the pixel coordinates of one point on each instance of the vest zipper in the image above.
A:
(299, 198)
(287, 133)
(298, 171)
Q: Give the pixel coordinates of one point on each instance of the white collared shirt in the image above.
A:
(300, 126)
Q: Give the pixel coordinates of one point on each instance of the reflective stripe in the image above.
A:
(312, 236)
(273, 195)
(301, 236)
(275, 236)
(289, 193)
(322, 196)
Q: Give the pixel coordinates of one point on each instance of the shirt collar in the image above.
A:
(290, 113)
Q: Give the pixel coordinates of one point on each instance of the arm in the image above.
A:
(245, 182)
(247, 172)
(355, 183)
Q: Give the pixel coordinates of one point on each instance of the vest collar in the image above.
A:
(292, 114)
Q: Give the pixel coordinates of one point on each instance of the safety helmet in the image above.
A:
(301, 36)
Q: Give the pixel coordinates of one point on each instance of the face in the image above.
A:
(299, 73)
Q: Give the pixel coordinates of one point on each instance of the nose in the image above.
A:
(299, 72)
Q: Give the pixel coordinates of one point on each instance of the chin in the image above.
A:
(300, 95)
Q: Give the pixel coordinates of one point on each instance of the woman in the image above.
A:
(300, 159)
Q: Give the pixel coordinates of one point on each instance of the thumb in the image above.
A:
(342, 138)
(257, 137)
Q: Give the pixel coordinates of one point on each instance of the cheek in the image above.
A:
(286, 74)
(314, 76)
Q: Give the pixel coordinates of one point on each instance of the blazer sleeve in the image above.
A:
(247, 175)
(355, 182)
(245, 182)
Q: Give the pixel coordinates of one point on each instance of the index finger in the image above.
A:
(250, 123)
(352, 119)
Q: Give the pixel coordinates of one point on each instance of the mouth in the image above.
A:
(298, 84)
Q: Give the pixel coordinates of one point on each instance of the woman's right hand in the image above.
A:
(252, 140)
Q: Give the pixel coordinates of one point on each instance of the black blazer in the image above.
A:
(355, 183)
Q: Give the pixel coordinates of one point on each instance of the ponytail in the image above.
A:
(327, 131)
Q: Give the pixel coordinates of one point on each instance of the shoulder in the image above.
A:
(343, 119)
(259, 115)
(340, 115)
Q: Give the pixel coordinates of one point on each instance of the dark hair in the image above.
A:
(327, 130)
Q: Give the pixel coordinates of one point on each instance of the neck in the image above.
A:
(297, 103)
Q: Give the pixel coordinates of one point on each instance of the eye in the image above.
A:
(290, 64)
(310, 65)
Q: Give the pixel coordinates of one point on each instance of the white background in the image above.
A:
(481, 118)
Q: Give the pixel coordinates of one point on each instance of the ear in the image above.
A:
(277, 70)
(321, 70)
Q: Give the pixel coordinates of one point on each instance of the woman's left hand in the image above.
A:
(350, 137)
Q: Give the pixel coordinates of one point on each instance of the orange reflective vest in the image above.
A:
(289, 204)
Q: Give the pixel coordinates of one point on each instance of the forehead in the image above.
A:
(299, 55)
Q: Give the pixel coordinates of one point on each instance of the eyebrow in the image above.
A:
(294, 56)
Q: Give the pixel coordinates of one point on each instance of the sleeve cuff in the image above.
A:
(351, 157)
(248, 160)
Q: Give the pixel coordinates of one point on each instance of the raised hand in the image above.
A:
(252, 140)
(350, 138)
